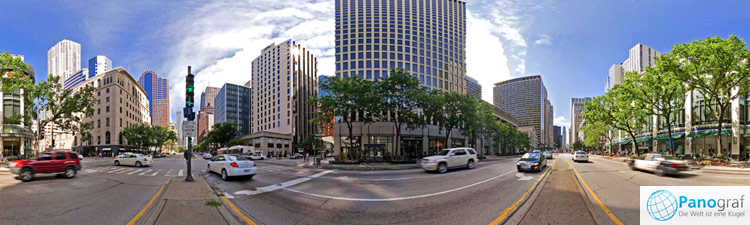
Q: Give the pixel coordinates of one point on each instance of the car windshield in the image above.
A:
(547, 153)
(530, 156)
(444, 152)
(580, 153)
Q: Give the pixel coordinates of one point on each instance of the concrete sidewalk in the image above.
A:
(185, 203)
(561, 200)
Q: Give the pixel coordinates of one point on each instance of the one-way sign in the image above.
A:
(188, 128)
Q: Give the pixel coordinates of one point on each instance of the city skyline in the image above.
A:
(525, 44)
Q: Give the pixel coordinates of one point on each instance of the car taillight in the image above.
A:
(233, 164)
(145, 159)
(17, 164)
(674, 165)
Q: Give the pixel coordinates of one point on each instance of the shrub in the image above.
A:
(339, 162)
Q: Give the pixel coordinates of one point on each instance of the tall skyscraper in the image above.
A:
(576, 116)
(473, 88)
(157, 92)
(525, 98)
(639, 57)
(64, 59)
(233, 106)
(285, 78)
(208, 95)
(564, 138)
(558, 136)
(76, 78)
(549, 123)
(374, 36)
(178, 126)
(99, 64)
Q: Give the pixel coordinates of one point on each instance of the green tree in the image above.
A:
(160, 135)
(223, 133)
(592, 132)
(577, 145)
(138, 135)
(401, 93)
(717, 68)
(618, 109)
(478, 121)
(659, 89)
(234, 142)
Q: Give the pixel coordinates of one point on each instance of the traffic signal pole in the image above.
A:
(190, 116)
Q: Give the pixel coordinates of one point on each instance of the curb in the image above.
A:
(596, 214)
(517, 215)
(156, 210)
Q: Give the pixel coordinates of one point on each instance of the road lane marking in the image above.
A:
(398, 198)
(150, 202)
(135, 171)
(522, 176)
(504, 214)
(122, 171)
(154, 173)
(115, 170)
(179, 174)
(167, 174)
(598, 201)
(234, 208)
(141, 174)
(284, 185)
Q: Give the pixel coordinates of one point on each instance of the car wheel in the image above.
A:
(442, 168)
(117, 163)
(70, 172)
(137, 164)
(224, 174)
(470, 165)
(26, 175)
(659, 171)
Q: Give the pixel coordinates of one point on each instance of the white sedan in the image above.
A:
(257, 157)
(231, 166)
(136, 160)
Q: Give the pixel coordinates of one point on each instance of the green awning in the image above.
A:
(643, 139)
(666, 137)
(708, 133)
(626, 141)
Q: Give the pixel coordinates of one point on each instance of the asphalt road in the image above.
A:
(101, 193)
(618, 186)
(293, 195)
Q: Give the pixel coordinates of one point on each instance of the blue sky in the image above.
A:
(571, 44)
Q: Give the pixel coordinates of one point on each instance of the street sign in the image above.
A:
(188, 128)
(318, 135)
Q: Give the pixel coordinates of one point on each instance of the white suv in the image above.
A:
(450, 158)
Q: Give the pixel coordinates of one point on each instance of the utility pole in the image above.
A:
(190, 116)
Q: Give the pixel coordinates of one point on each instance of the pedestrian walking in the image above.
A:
(2, 157)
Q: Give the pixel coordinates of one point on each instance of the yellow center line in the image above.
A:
(598, 201)
(504, 214)
(236, 210)
(138, 216)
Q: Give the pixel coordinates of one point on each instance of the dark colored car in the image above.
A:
(532, 161)
(66, 163)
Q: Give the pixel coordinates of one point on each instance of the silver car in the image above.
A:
(580, 156)
(231, 166)
(450, 158)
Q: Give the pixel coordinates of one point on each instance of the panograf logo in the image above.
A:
(693, 205)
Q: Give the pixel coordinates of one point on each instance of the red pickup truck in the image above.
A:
(66, 163)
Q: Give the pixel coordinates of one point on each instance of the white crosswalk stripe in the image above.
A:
(154, 173)
(123, 171)
(147, 171)
(115, 170)
(180, 173)
(135, 171)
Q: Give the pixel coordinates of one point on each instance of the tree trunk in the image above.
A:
(672, 149)
(718, 134)
(447, 137)
(635, 144)
(397, 142)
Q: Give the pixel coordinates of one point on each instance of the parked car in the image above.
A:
(207, 155)
(580, 156)
(547, 154)
(136, 160)
(450, 158)
(160, 155)
(256, 156)
(66, 163)
(231, 166)
(295, 156)
(656, 163)
(533, 161)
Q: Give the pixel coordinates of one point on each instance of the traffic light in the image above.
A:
(190, 90)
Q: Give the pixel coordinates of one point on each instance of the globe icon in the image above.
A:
(661, 205)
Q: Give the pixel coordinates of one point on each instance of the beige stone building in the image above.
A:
(120, 103)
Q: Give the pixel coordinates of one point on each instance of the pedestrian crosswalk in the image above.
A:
(134, 171)
(272, 168)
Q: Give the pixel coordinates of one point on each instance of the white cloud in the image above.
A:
(485, 61)
(544, 40)
(562, 121)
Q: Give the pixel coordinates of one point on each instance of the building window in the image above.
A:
(106, 137)
(107, 122)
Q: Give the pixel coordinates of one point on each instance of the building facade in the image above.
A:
(98, 65)
(639, 57)
(157, 91)
(16, 139)
(233, 105)
(576, 117)
(285, 78)
(425, 38)
(473, 88)
(120, 102)
(178, 125)
(208, 95)
(557, 132)
(204, 123)
(525, 98)
(64, 59)
(76, 79)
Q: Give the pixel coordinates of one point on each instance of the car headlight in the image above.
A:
(536, 164)
(431, 161)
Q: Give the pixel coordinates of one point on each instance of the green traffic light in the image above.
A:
(190, 88)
